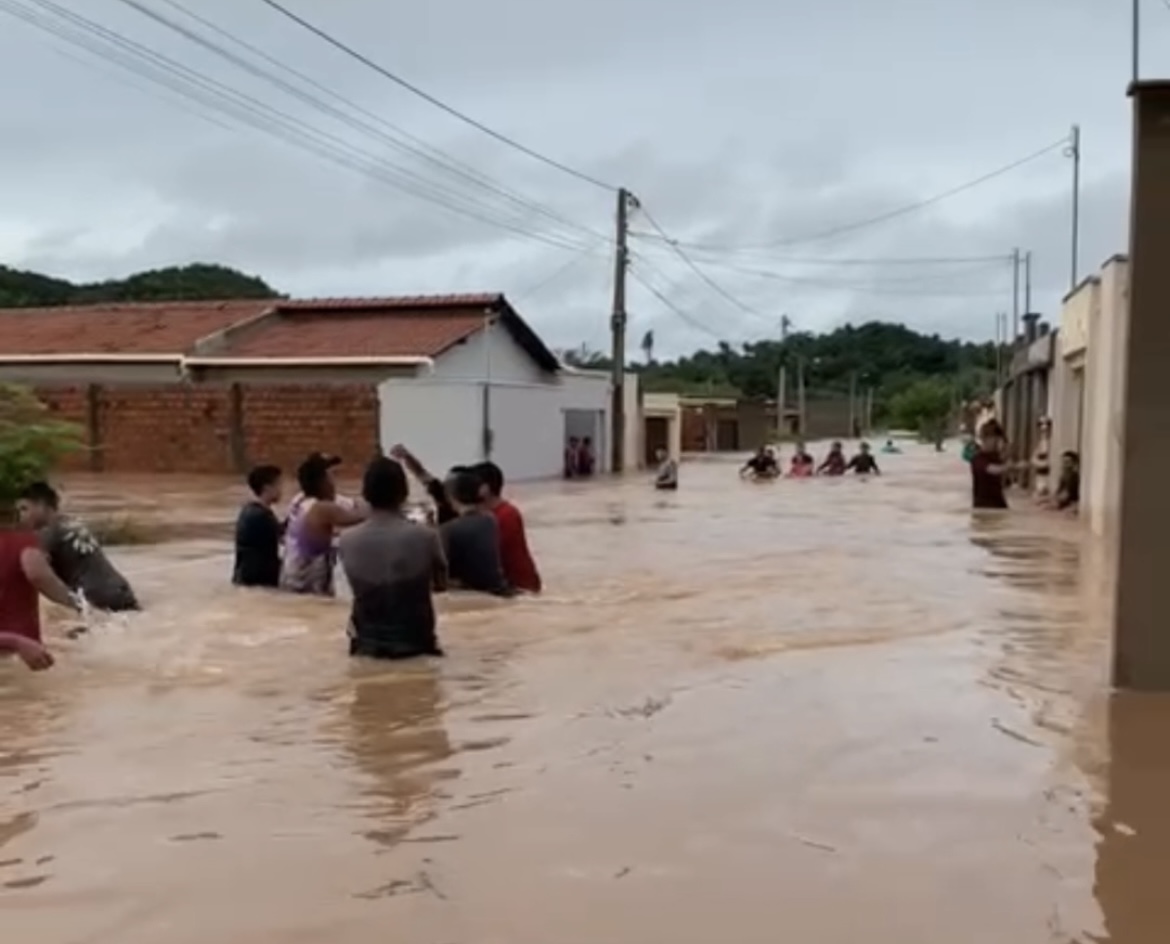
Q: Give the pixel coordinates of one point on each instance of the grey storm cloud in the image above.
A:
(747, 123)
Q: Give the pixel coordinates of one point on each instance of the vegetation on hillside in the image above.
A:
(31, 442)
(198, 282)
(889, 358)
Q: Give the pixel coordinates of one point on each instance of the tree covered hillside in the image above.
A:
(197, 282)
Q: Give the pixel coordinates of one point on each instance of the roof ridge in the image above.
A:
(142, 305)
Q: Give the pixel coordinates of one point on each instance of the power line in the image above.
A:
(529, 291)
(250, 111)
(899, 211)
(416, 146)
(671, 306)
(690, 263)
(832, 261)
(431, 99)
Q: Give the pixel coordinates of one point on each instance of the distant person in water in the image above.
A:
(890, 448)
(393, 567)
(572, 457)
(803, 465)
(25, 576)
(834, 463)
(586, 458)
(515, 557)
(762, 465)
(74, 553)
(258, 531)
(1068, 489)
(988, 470)
(314, 519)
(666, 477)
(863, 463)
(471, 542)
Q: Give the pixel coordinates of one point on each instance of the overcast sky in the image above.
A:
(738, 123)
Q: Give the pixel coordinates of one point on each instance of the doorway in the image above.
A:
(656, 436)
(587, 424)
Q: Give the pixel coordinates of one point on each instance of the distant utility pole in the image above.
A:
(869, 411)
(782, 380)
(800, 401)
(1015, 295)
(1136, 41)
(852, 404)
(1000, 326)
(1027, 282)
(1074, 151)
(617, 322)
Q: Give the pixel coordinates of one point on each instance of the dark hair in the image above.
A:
(261, 476)
(384, 485)
(1071, 454)
(492, 476)
(313, 473)
(41, 493)
(463, 487)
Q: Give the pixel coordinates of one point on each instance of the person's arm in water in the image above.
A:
(41, 575)
(873, 467)
(29, 651)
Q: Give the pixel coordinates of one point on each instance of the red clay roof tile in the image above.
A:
(170, 328)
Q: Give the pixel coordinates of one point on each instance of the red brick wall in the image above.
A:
(189, 428)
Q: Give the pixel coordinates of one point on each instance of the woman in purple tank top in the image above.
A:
(313, 521)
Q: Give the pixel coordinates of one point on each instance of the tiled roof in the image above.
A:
(334, 331)
(170, 328)
(421, 326)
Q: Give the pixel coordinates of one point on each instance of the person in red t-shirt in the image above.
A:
(519, 567)
(25, 576)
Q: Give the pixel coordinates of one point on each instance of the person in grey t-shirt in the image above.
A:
(393, 566)
(73, 551)
(472, 541)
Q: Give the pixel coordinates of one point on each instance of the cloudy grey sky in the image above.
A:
(739, 123)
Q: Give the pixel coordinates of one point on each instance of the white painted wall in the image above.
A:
(440, 416)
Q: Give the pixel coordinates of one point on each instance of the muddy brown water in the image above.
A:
(823, 711)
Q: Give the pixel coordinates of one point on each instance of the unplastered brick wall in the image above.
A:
(196, 428)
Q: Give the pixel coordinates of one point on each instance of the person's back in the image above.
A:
(987, 472)
(666, 478)
(472, 546)
(257, 562)
(390, 564)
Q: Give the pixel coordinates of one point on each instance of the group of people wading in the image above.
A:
(765, 464)
(474, 539)
(991, 471)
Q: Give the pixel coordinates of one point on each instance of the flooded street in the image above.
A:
(822, 711)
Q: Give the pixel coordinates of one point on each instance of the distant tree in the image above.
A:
(31, 442)
(648, 346)
(926, 406)
(585, 358)
(198, 282)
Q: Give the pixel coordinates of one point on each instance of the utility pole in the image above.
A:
(800, 402)
(1027, 282)
(1074, 151)
(617, 323)
(782, 381)
(869, 411)
(1000, 317)
(1136, 50)
(852, 404)
(1015, 296)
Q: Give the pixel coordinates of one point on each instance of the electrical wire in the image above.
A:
(690, 263)
(843, 261)
(673, 308)
(590, 253)
(249, 111)
(897, 212)
(436, 102)
(393, 135)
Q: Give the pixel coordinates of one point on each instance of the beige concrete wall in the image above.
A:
(1104, 390)
(667, 406)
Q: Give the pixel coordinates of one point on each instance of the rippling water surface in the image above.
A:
(822, 711)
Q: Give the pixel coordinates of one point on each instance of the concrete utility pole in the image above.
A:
(869, 411)
(617, 323)
(800, 402)
(782, 380)
(852, 404)
(1074, 151)
(1027, 282)
(1015, 297)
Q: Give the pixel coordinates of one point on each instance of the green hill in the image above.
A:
(197, 282)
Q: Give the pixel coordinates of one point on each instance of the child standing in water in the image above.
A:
(313, 521)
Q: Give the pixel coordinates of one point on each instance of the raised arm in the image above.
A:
(41, 575)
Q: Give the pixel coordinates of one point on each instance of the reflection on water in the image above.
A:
(794, 710)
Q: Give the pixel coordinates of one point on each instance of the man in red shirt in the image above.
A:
(26, 575)
(519, 567)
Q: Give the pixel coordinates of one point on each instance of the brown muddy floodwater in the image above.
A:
(810, 711)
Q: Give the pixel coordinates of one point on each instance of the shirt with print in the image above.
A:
(78, 559)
